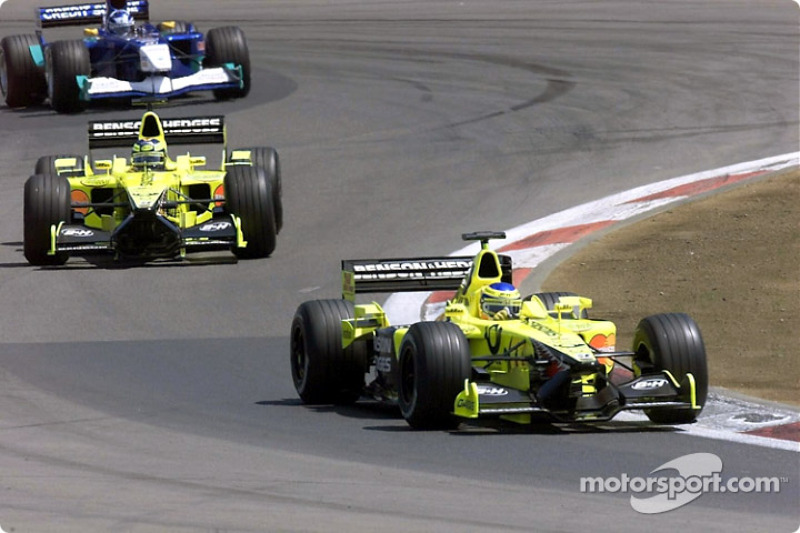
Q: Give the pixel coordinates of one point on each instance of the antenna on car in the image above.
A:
(483, 236)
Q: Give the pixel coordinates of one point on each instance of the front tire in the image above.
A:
(46, 202)
(66, 60)
(248, 195)
(22, 82)
(435, 361)
(267, 158)
(46, 165)
(323, 372)
(228, 45)
(672, 342)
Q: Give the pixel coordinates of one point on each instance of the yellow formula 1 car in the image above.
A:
(153, 206)
(491, 354)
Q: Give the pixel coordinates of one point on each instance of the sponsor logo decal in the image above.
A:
(649, 384)
(383, 364)
(382, 344)
(398, 270)
(215, 226)
(492, 391)
(76, 232)
(123, 128)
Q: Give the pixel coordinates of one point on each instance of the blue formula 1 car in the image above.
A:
(127, 57)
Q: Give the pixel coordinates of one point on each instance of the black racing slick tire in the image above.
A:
(228, 45)
(248, 195)
(323, 372)
(550, 299)
(672, 342)
(65, 61)
(267, 158)
(46, 202)
(22, 82)
(434, 363)
(46, 165)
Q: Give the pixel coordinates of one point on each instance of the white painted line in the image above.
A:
(742, 438)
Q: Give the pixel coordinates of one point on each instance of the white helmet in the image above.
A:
(120, 22)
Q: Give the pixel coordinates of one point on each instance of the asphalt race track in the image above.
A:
(159, 397)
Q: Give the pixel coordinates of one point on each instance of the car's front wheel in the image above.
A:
(248, 195)
(228, 45)
(672, 342)
(46, 203)
(434, 363)
(46, 165)
(267, 158)
(66, 62)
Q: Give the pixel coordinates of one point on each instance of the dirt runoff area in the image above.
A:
(730, 260)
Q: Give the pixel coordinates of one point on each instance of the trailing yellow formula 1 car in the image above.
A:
(491, 354)
(153, 206)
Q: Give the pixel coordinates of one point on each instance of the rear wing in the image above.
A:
(188, 130)
(409, 275)
(88, 13)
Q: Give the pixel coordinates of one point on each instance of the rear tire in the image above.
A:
(22, 82)
(323, 372)
(248, 195)
(46, 202)
(228, 45)
(434, 362)
(672, 342)
(267, 158)
(66, 60)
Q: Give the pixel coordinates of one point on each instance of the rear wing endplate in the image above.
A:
(188, 130)
(409, 275)
(88, 13)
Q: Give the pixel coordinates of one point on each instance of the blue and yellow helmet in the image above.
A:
(150, 153)
(499, 296)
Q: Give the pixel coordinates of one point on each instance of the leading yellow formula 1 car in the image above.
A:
(492, 354)
(153, 206)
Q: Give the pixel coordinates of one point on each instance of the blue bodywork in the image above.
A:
(117, 58)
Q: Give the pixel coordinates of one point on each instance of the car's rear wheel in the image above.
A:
(248, 195)
(22, 82)
(228, 45)
(267, 158)
(46, 202)
(323, 371)
(66, 61)
(434, 363)
(672, 342)
(46, 165)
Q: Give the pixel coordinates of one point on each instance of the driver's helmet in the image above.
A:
(149, 153)
(120, 22)
(500, 297)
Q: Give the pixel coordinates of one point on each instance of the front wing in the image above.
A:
(226, 77)
(653, 391)
(219, 233)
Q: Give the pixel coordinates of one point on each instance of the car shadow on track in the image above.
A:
(378, 411)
